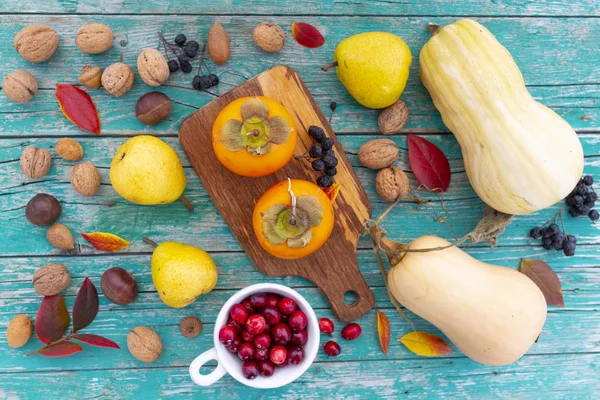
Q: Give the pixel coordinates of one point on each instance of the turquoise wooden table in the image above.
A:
(555, 43)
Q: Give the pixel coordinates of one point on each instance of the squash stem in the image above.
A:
(433, 28)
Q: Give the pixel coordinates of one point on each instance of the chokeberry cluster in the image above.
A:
(582, 199)
(553, 238)
(324, 159)
(183, 50)
(202, 81)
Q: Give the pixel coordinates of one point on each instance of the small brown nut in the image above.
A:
(90, 76)
(43, 209)
(190, 327)
(51, 279)
(269, 37)
(153, 107)
(378, 153)
(36, 43)
(144, 344)
(85, 178)
(392, 119)
(118, 79)
(35, 163)
(392, 184)
(94, 38)
(69, 149)
(153, 67)
(19, 86)
(18, 331)
(60, 237)
(219, 45)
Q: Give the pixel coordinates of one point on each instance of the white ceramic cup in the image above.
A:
(229, 363)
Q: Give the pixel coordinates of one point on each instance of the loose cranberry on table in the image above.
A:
(273, 300)
(250, 369)
(248, 306)
(239, 314)
(247, 336)
(332, 349)
(281, 334)
(351, 331)
(227, 334)
(326, 326)
(256, 324)
(297, 321)
(261, 354)
(287, 306)
(262, 341)
(278, 354)
(271, 315)
(266, 368)
(295, 355)
(258, 300)
(246, 351)
(299, 338)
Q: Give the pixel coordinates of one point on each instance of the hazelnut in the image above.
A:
(392, 184)
(392, 119)
(152, 67)
(85, 178)
(35, 163)
(19, 86)
(378, 153)
(119, 286)
(51, 279)
(153, 107)
(43, 209)
(190, 327)
(269, 37)
(60, 237)
(94, 38)
(18, 331)
(36, 43)
(144, 344)
(118, 79)
(219, 45)
(69, 149)
(90, 77)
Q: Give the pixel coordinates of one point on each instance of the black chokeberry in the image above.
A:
(590, 204)
(569, 252)
(571, 239)
(330, 161)
(594, 215)
(333, 105)
(591, 196)
(315, 151)
(317, 133)
(180, 39)
(213, 80)
(331, 171)
(182, 58)
(548, 243)
(318, 165)
(327, 143)
(196, 82)
(186, 66)
(558, 244)
(173, 65)
(553, 229)
(577, 200)
(583, 209)
(581, 189)
(191, 48)
(205, 82)
(588, 180)
(325, 181)
(573, 212)
(535, 233)
(546, 233)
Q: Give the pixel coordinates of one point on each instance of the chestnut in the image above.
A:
(153, 107)
(43, 209)
(119, 286)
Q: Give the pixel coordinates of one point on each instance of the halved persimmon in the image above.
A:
(293, 219)
(254, 136)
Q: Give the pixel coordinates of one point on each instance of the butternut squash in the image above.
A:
(492, 314)
(519, 155)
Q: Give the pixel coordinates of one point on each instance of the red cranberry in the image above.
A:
(278, 354)
(261, 354)
(351, 331)
(297, 321)
(266, 368)
(256, 324)
(272, 315)
(246, 351)
(234, 346)
(258, 300)
(227, 334)
(238, 328)
(249, 308)
(332, 349)
(273, 300)
(262, 341)
(287, 306)
(247, 336)
(295, 355)
(300, 337)
(239, 314)
(281, 334)
(267, 328)
(326, 326)
(250, 369)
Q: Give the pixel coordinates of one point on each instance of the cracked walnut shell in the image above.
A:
(51, 279)
(35, 163)
(152, 67)
(144, 344)
(392, 184)
(94, 38)
(20, 86)
(36, 43)
(378, 153)
(118, 79)
(90, 77)
(85, 178)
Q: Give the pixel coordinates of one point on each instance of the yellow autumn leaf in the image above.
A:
(383, 331)
(425, 344)
(105, 241)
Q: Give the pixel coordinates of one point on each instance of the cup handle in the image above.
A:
(209, 379)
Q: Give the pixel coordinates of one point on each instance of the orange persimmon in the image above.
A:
(293, 219)
(254, 136)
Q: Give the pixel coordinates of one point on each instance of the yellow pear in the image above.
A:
(373, 66)
(146, 170)
(181, 273)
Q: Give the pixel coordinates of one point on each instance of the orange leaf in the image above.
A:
(105, 241)
(307, 35)
(425, 344)
(383, 330)
(78, 107)
(332, 191)
(542, 275)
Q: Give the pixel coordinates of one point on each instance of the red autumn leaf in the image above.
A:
(78, 107)
(332, 191)
(59, 349)
(307, 35)
(546, 279)
(383, 331)
(105, 241)
(425, 344)
(85, 307)
(52, 319)
(428, 163)
(96, 340)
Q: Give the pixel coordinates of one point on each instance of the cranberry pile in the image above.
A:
(266, 331)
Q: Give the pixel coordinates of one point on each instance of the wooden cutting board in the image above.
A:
(333, 268)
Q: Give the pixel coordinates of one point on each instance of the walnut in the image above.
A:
(378, 153)
(90, 77)
(18, 331)
(144, 344)
(190, 327)
(392, 119)
(94, 38)
(85, 178)
(269, 37)
(152, 67)
(35, 163)
(392, 184)
(118, 79)
(69, 149)
(60, 237)
(19, 86)
(36, 43)
(51, 279)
